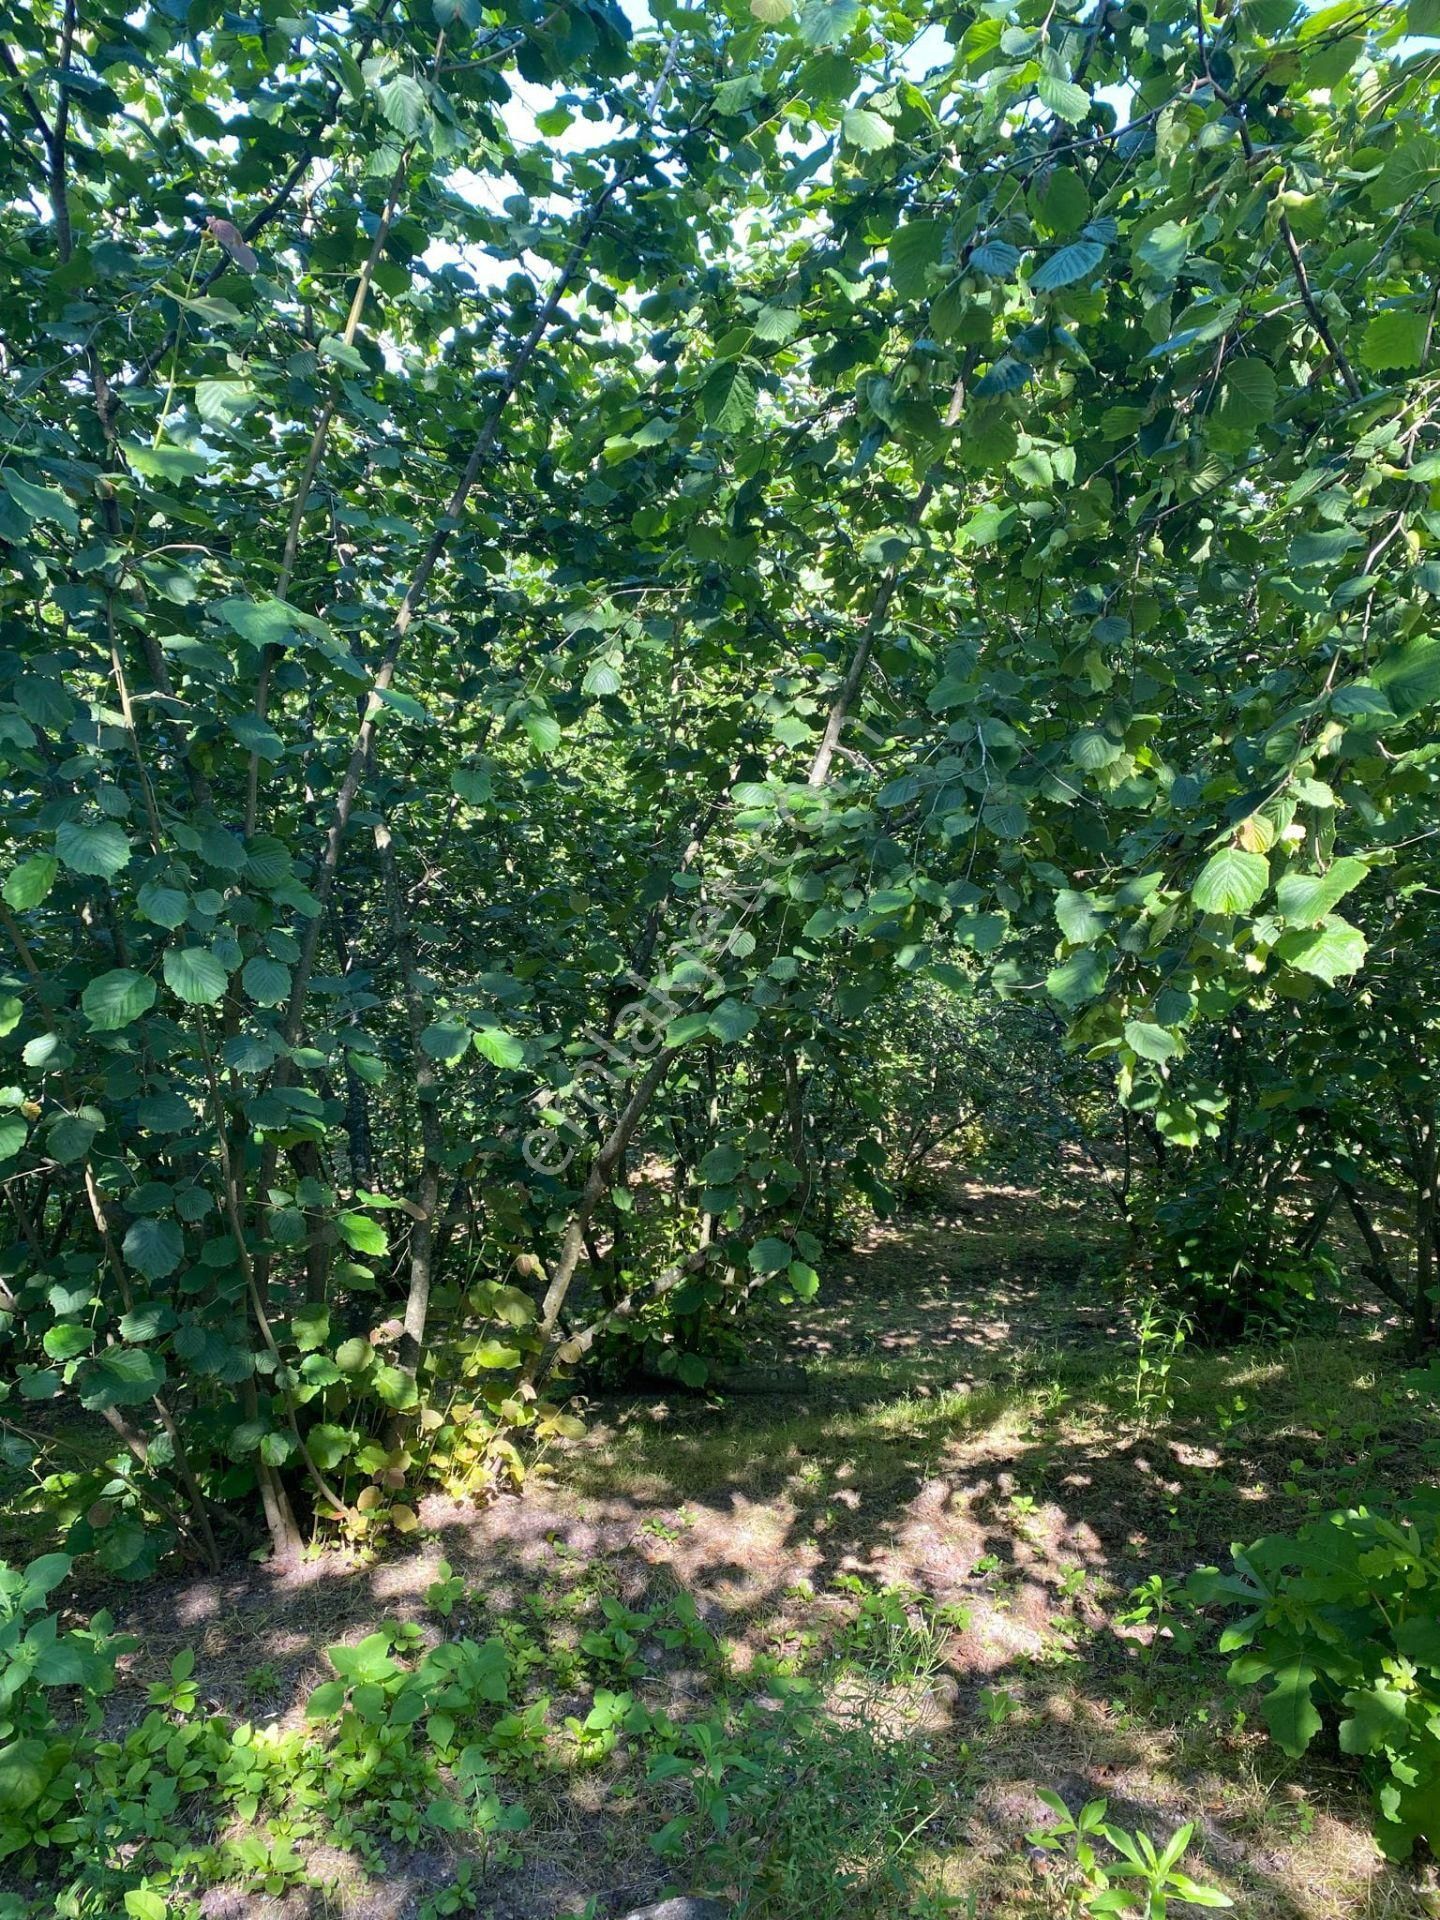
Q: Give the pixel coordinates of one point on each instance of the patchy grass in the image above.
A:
(915, 1588)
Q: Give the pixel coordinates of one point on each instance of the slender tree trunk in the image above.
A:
(427, 1095)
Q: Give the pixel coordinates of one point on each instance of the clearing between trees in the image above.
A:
(964, 1517)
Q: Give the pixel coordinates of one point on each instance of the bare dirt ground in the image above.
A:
(963, 1431)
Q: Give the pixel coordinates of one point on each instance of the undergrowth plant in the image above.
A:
(1340, 1624)
(783, 1784)
(1106, 1869)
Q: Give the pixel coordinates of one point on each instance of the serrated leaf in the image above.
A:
(997, 259)
(1409, 678)
(97, 848)
(1304, 899)
(28, 884)
(266, 981)
(1323, 547)
(727, 399)
(114, 999)
(1328, 951)
(1063, 97)
(500, 1048)
(863, 128)
(194, 975)
(776, 325)
(1074, 262)
(914, 249)
(153, 1247)
(1080, 978)
(1150, 1042)
(39, 502)
(825, 23)
(1231, 881)
(771, 1255)
(162, 906)
(362, 1233)
(218, 402)
(257, 736)
(1250, 390)
(403, 103)
(1394, 339)
(1079, 919)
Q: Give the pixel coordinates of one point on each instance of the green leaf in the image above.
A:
(257, 736)
(1327, 951)
(114, 999)
(1150, 1042)
(500, 1048)
(28, 884)
(40, 502)
(1323, 547)
(266, 981)
(1379, 1719)
(174, 464)
(1394, 339)
(358, 1230)
(1250, 391)
(1063, 97)
(66, 1339)
(154, 1247)
(403, 103)
(219, 402)
(727, 400)
(1288, 1710)
(825, 23)
(120, 1377)
(1304, 899)
(162, 906)
(194, 975)
(97, 848)
(310, 1327)
(1077, 261)
(26, 1768)
(771, 1256)
(863, 128)
(1419, 1640)
(1080, 978)
(1231, 881)
(914, 249)
(732, 1020)
(1164, 249)
(996, 259)
(1409, 678)
(1079, 919)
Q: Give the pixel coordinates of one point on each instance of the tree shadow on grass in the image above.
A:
(939, 1447)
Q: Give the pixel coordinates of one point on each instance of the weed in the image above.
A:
(446, 1590)
(998, 1705)
(1088, 1882)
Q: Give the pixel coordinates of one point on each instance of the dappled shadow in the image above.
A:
(992, 1468)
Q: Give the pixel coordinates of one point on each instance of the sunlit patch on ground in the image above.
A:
(964, 1433)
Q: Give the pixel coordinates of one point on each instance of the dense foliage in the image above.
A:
(573, 595)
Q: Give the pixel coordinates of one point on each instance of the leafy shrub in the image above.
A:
(1342, 1620)
(1215, 1252)
(40, 1753)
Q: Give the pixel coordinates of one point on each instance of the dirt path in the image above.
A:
(962, 1433)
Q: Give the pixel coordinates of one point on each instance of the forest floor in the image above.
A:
(942, 1520)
